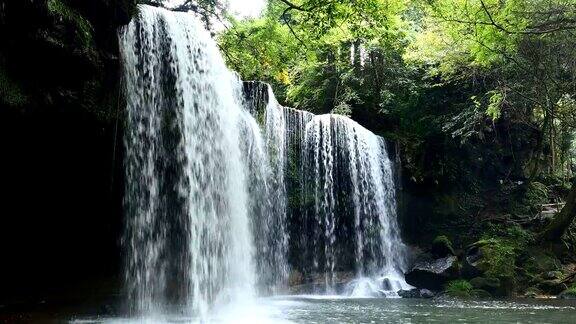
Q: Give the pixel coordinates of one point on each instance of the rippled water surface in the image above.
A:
(315, 309)
(425, 311)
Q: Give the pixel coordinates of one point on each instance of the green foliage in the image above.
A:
(499, 257)
(513, 235)
(494, 105)
(459, 288)
(261, 49)
(518, 51)
(536, 260)
(312, 53)
(442, 239)
(536, 195)
(442, 246)
(572, 289)
(569, 293)
(500, 248)
(84, 30)
(10, 92)
(342, 109)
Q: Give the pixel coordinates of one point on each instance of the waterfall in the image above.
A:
(227, 191)
(268, 191)
(188, 235)
(340, 192)
(349, 179)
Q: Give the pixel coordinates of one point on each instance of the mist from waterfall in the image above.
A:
(228, 192)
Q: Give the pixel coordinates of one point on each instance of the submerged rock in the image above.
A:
(318, 283)
(416, 293)
(433, 274)
(568, 294)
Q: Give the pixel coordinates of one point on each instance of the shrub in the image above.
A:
(499, 256)
(459, 288)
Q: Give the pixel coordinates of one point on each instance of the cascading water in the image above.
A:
(349, 176)
(341, 193)
(188, 234)
(268, 191)
(223, 196)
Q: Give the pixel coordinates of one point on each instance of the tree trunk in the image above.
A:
(562, 221)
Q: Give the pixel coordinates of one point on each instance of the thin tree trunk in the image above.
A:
(537, 153)
(563, 220)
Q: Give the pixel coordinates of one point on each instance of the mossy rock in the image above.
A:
(536, 260)
(485, 283)
(532, 292)
(569, 293)
(552, 287)
(551, 275)
(442, 247)
(494, 258)
(536, 194)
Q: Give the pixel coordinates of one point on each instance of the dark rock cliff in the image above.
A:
(60, 138)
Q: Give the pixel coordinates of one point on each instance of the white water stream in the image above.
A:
(219, 207)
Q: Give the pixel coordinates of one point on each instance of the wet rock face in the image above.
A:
(78, 66)
(471, 262)
(433, 274)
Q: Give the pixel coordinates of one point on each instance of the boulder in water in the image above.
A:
(433, 274)
(495, 257)
(416, 293)
(568, 294)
